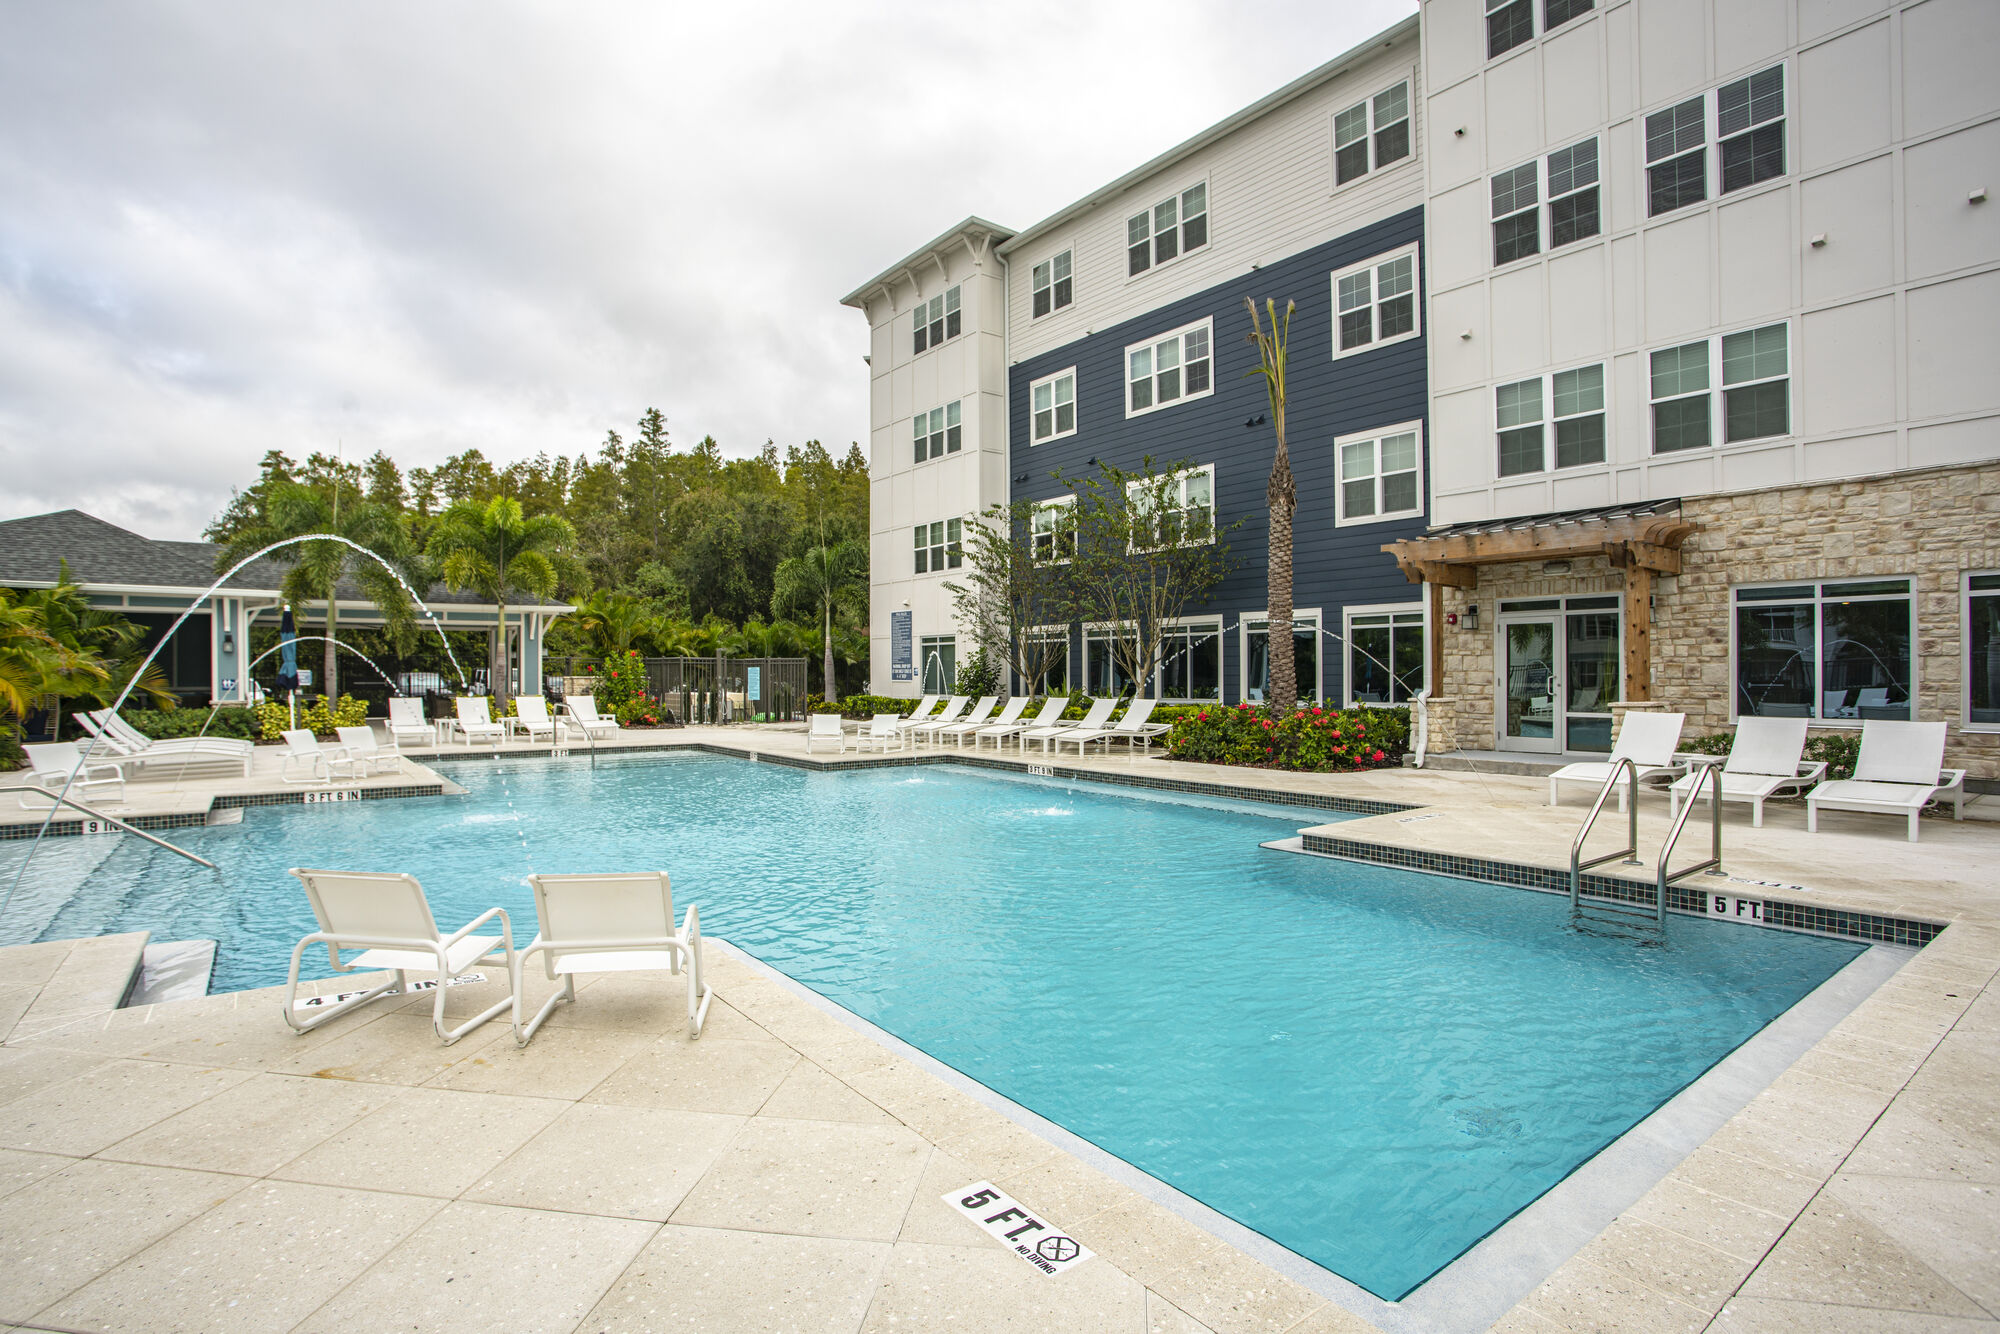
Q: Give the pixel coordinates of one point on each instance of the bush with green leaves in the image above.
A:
(275, 718)
(1315, 739)
(235, 721)
(621, 680)
(866, 706)
(978, 676)
(642, 712)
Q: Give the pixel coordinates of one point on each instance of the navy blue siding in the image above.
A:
(1333, 567)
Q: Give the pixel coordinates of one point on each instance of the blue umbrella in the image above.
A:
(288, 655)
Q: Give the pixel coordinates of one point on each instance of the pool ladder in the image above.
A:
(1608, 912)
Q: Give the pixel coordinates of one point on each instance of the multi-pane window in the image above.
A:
(1191, 660)
(1048, 646)
(1558, 12)
(1257, 655)
(1756, 388)
(1376, 303)
(1053, 529)
(1750, 125)
(1517, 413)
(1982, 648)
(935, 320)
(1676, 157)
(1052, 285)
(1173, 511)
(1385, 654)
(1517, 222)
(1171, 227)
(1509, 23)
(1053, 400)
(938, 547)
(937, 432)
(1680, 397)
(1380, 476)
(1104, 675)
(1827, 651)
(1372, 133)
(1573, 213)
(1168, 370)
(1578, 400)
(940, 654)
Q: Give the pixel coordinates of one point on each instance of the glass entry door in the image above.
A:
(1530, 681)
(1562, 667)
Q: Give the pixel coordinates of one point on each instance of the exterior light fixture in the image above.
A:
(1471, 620)
(1977, 196)
(1818, 240)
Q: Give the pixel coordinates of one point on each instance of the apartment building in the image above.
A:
(1712, 291)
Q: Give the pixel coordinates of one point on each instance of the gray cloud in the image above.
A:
(235, 226)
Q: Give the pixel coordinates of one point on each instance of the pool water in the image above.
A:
(1372, 1067)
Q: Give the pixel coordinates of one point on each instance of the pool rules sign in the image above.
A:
(1019, 1230)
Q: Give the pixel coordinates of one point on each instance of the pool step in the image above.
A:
(172, 971)
(92, 980)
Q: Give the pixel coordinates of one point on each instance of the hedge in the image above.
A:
(1315, 739)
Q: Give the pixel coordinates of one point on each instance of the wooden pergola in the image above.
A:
(1641, 540)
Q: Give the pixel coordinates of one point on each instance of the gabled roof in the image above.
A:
(974, 233)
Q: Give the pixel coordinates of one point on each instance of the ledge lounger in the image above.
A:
(1898, 772)
(1763, 763)
(1646, 739)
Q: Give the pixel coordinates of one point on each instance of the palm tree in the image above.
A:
(35, 664)
(614, 622)
(114, 646)
(1283, 498)
(824, 578)
(316, 569)
(496, 551)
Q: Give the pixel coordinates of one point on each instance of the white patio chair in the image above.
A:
(132, 736)
(407, 724)
(1898, 772)
(369, 755)
(1763, 763)
(822, 728)
(945, 716)
(1051, 713)
(583, 715)
(1647, 739)
(972, 727)
(387, 918)
(322, 764)
(50, 765)
(981, 712)
(921, 714)
(475, 721)
(615, 923)
(112, 740)
(1131, 728)
(1093, 718)
(531, 718)
(882, 733)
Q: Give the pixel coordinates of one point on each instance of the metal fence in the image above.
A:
(711, 690)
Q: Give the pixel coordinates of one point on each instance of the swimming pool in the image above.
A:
(1373, 1068)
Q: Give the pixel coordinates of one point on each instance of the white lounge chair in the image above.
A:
(981, 712)
(407, 724)
(1764, 762)
(475, 721)
(583, 715)
(113, 740)
(822, 728)
(322, 764)
(611, 924)
(368, 754)
(954, 707)
(531, 718)
(921, 714)
(1898, 772)
(50, 765)
(1131, 728)
(388, 919)
(972, 727)
(1051, 713)
(883, 732)
(1093, 718)
(1647, 739)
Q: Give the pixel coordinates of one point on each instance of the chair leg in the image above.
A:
(395, 986)
(1913, 824)
(1812, 818)
(567, 992)
(1553, 801)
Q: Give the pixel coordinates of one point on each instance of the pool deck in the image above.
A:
(193, 1165)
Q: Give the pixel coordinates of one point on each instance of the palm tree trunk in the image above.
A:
(499, 663)
(832, 697)
(332, 661)
(1284, 499)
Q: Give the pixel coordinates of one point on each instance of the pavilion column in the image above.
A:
(1638, 633)
(1434, 626)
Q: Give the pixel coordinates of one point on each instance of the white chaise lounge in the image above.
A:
(953, 708)
(50, 765)
(617, 923)
(921, 714)
(322, 764)
(387, 918)
(981, 713)
(1764, 762)
(1050, 716)
(1133, 726)
(475, 722)
(369, 755)
(531, 718)
(1899, 771)
(583, 715)
(975, 726)
(407, 724)
(884, 732)
(1093, 718)
(1646, 739)
(113, 740)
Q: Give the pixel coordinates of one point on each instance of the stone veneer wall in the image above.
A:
(1929, 526)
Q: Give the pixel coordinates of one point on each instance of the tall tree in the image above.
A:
(1283, 498)
(1020, 577)
(822, 580)
(497, 551)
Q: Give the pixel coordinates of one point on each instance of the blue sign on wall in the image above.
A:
(902, 662)
(754, 692)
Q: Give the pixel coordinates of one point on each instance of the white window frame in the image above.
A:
(1318, 693)
(953, 547)
(1048, 632)
(1718, 393)
(1179, 478)
(1035, 530)
(1373, 268)
(1372, 129)
(1550, 420)
(1221, 629)
(1341, 518)
(951, 430)
(1150, 346)
(950, 303)
(1179, 200)
(1066, 254)
(1103, 632)
(1965, 595)
(1595, 186)
(1712, 140)
(1782, 120)
(1391, 610)
(1534, 167)
(1818, 585)
(1538, 24)
(1054, 383)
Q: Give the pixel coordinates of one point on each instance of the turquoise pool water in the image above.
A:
(1373, 1068)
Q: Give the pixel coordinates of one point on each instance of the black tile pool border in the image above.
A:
(74, 827)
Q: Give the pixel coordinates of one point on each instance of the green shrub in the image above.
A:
(978, 676)
(274, 718)
(622, 680)
(1315, 739)
(235, 721)
(866, 706)
(642, 712)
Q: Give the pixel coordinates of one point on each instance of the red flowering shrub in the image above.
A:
(1320, 741)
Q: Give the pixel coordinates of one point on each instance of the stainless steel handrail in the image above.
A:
(1712, 775)
(1630, 852)
(108, 819)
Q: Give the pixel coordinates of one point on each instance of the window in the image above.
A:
(1257, 655)
(1982, 648)
(938, 547)
(1756, 395)
(1829, 651)
(1171, 227)
(1573, 213)
(1509, 23)
(1161, 373)
(935, 320)
(1371, 134)
(1376, 303)
(1578, 399)
(1558, 12)
(1385, 654)
(1049, 645)
(1750, 125)
(1052, 289)
(1380, 475)
(1676, 157)
(1054, 400)
(1186, 513)
(1103, 674)
(1191, 660)
(1054, 529)
(1517, 223)
(940, 664)
(1517, 412)
(937, 432)
(1680, 398)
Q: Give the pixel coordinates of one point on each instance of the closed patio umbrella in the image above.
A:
(288, 663)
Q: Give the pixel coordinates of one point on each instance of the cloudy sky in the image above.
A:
(235, 226)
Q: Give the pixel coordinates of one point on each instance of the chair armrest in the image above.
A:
(1811, 771)
(1951, 779)
(506, 928)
